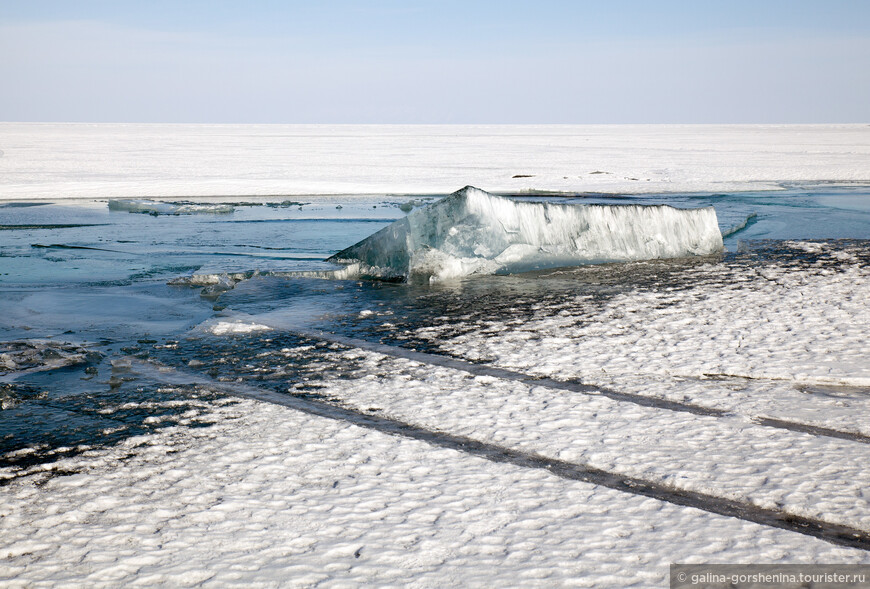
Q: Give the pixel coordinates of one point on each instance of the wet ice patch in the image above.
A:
(212, 285)
(26, 356)
(13, 394)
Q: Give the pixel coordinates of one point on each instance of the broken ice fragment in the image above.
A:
(474, 232)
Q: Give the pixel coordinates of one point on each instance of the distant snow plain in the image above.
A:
(52, 160)
(270, 496)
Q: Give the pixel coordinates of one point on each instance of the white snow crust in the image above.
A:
(235, 327)
(57, 161)
(772, 341)
(269, 496)
(474, 232)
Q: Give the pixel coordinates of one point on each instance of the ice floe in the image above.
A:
(474, 232)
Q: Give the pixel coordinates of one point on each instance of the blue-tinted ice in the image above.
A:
(92, 282)
(474, 232)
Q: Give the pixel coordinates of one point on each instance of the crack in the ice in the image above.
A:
(834, 533)
(505, 374)
(576, 387)
(814, 430)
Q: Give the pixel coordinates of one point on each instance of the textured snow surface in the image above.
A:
(769, 340)
(474, 232)
(686, 451)
(233, 327)
(262, 494)
(55, 161)
(269, 496)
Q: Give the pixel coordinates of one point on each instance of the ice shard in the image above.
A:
(474, 232)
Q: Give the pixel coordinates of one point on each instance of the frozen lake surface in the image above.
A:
(86, 241)
(588, 425)
(57, 160)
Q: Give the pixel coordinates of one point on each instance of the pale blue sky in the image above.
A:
(543, 61)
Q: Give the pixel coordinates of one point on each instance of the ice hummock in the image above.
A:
(474, 232)
(156, 207)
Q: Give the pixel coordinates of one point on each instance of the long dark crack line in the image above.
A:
(576, 387)
(831, 532)
(505, 374)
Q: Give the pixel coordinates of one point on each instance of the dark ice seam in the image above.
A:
(834, 533)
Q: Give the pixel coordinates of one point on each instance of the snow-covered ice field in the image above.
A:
(192, 396)
(52, 161)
